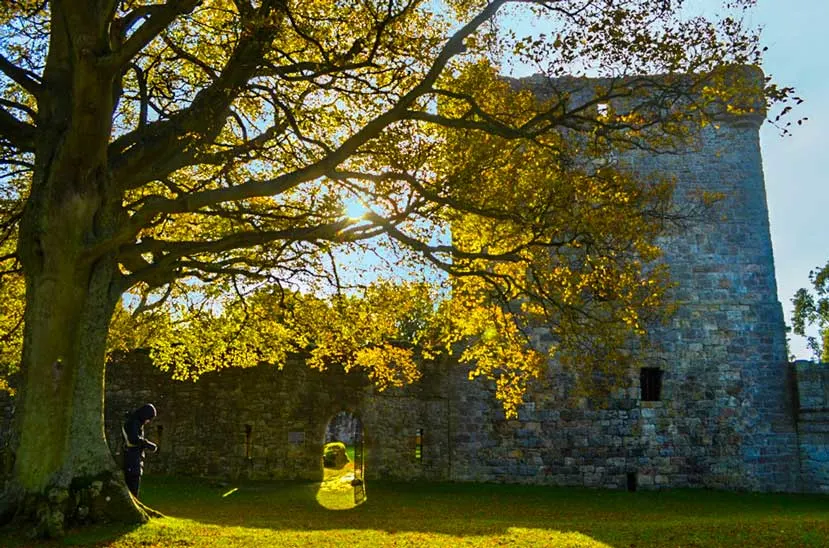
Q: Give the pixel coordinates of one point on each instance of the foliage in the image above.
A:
(334, 455)
(811, 308)
(11, 318)
(188, 154)
(429, 514)
(381, 330)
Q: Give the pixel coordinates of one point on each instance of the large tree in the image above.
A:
(166, 149)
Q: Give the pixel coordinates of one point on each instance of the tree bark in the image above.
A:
(63, 471)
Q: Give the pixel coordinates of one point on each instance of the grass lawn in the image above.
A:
(424, 514)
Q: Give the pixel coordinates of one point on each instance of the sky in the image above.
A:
(797, 192)
(796, 177)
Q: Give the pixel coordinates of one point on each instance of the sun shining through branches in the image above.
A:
(355, 209)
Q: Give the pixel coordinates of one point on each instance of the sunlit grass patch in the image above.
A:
(173, 532)
(336, 492)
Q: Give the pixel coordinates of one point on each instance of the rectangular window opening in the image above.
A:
(650, 380)
(419, 445)
(632, 481)
(248, 440)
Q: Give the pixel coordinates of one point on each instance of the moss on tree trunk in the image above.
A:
(64, 473)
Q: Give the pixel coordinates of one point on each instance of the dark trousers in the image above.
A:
(133, 482)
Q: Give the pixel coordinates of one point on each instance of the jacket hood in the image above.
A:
(145, 412)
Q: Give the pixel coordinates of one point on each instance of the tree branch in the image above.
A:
(19, 134)
(166, 254)
(156, 150)
(18, 106)
(285, 182)
(157, 19)
(143, 97)
(181, 52)
(25, 79)
(490, 126)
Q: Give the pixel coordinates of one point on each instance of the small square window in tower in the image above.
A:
(650, 383)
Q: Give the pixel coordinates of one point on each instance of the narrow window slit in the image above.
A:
(248, 445)
(419, 445)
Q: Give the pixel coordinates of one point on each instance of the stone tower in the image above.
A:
(724, 416)
(725, 351)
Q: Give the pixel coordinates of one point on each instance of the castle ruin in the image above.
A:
(717, 406)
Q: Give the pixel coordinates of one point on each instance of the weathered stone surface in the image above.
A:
(813, 425)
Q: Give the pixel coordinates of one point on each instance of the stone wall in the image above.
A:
(257, 423)
(202, 429)
(728, 387)
(690, 440)
(813, 425)
(267, 423)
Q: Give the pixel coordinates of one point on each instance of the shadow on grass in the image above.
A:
(676, 517)
(95, 535)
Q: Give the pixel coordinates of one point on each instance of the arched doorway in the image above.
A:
(343, 460)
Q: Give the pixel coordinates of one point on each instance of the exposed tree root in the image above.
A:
(103, 499)
(149, 511)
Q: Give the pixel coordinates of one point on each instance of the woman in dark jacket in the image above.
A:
(135, 444)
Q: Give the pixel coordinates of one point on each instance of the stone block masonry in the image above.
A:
(813, 425)
(726, 416)
(263, 423)
(267, 423)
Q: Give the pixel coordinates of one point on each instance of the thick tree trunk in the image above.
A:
(63, 472)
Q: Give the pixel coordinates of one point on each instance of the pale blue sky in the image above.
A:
(795, 32)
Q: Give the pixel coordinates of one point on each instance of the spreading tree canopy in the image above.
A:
(158, 153)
